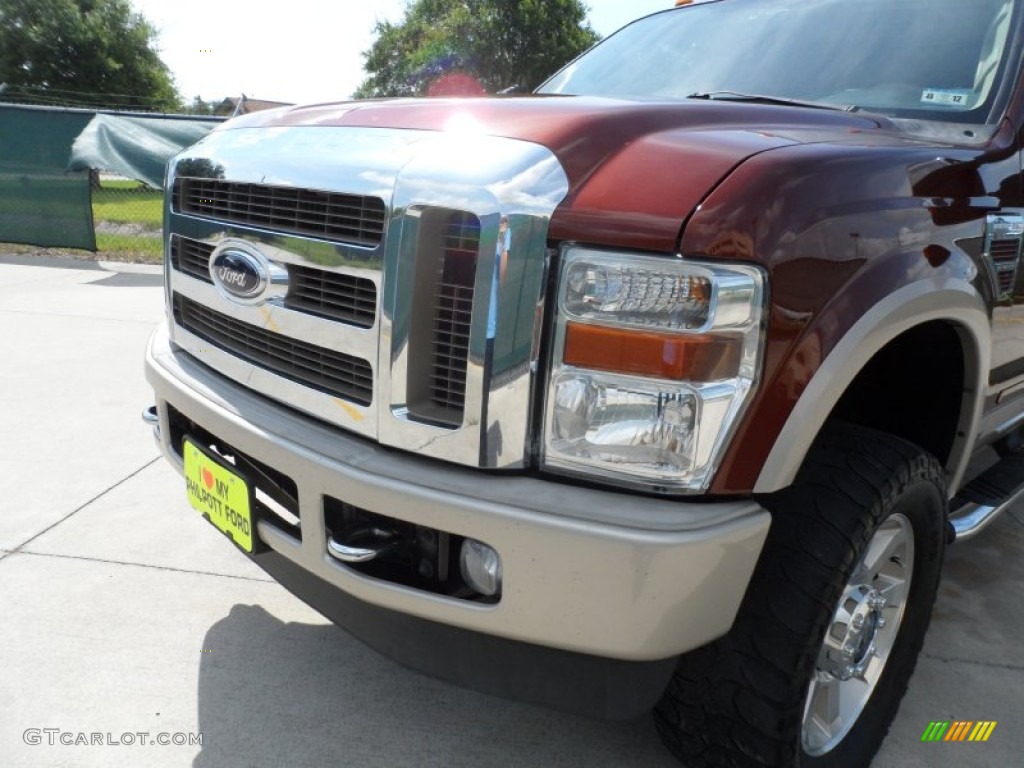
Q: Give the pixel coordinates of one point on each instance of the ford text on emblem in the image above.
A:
(239, 273)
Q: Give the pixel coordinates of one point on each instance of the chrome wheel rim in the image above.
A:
(860, 637)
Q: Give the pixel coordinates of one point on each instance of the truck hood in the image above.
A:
(636, 170)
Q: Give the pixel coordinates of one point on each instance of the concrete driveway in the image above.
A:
(123, 613)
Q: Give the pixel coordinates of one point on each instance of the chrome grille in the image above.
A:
(326, 370)
(191, 257)
(1006, 281)
(333, 295)
(424, 240)
(1004, 257)
(453, 315)
(1004, 250)
(453, 312)
(351, 219)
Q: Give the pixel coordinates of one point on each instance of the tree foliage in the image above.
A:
(497, 43)
(200, 107)
(84, 53)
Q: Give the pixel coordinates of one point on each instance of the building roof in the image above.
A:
(243, 105)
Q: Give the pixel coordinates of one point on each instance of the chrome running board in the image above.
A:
(987, 496)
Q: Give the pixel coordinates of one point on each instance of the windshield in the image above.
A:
(923, 59)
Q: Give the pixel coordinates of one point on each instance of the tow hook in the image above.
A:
(362, 545)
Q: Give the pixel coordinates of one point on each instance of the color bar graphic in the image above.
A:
(982, 731)
(959, 730)
(935, 731)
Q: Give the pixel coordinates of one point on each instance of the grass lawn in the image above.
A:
(149, 250)
(128, 201)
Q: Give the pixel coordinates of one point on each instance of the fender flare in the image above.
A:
(954, 301)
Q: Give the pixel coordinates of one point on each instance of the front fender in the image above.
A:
(954, 301)
(862, 242)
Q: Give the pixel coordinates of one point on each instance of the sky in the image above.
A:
(296, 50)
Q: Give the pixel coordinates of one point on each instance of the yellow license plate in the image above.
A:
(220, 494)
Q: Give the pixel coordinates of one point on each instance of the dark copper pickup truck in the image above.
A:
(663, 388)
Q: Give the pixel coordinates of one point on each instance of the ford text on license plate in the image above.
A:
(221, 494)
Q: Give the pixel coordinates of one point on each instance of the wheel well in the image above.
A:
(913, 388)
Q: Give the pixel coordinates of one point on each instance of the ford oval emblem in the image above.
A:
(240, 273)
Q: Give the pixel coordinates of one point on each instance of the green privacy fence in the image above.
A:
(86, 179)
(40, 202)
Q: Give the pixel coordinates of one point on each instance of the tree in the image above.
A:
(97, 53)
(200, 107)
(494, 44)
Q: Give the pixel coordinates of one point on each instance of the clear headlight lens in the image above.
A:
(609, 421)
(654, 361)
(621, 294)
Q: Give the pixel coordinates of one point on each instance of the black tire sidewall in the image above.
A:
(740, 700)
(923, 505)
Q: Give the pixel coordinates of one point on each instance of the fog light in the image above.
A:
(481, 567)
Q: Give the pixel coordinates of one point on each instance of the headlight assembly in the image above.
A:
(654, 362)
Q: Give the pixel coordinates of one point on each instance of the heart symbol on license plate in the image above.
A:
(208, 478)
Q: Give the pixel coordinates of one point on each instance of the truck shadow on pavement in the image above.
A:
(274, 693)
(131, 280)
(288, 694)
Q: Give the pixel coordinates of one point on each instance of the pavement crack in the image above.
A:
(78, 509)
(171, 568)
(973, 662)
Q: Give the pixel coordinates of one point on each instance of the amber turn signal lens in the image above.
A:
(682, 357)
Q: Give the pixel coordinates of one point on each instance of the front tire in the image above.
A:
(827, 636)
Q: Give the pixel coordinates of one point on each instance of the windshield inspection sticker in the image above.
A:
(952, 97)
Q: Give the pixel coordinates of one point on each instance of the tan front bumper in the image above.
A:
(585, 570)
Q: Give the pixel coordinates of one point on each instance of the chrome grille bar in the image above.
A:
(351, 219)
(453, 314)
(1004, 255)
(191, 257)
(452, 321)
(326, 370)
(333, 295)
